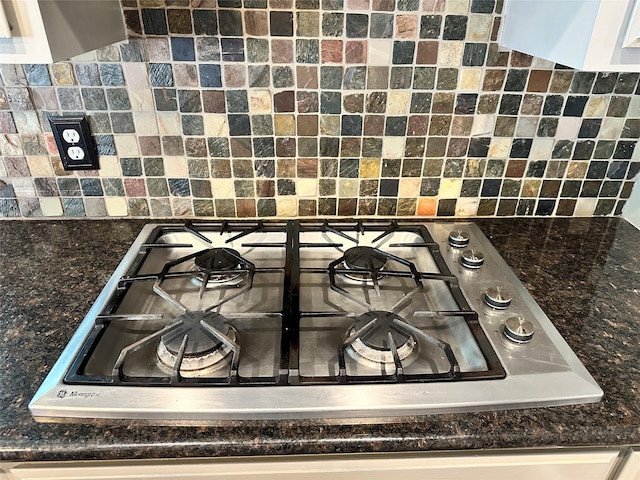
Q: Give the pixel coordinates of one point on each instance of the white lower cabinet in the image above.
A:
(592, 464)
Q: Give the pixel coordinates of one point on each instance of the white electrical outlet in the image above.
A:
(75, 153)
(74, 141)
(71, 135)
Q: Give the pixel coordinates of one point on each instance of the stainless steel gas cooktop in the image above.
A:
(219, 321)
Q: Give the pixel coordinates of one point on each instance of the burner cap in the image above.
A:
(364, 258)
(199, 341)
(202, 350)
(373, 343)
(218, 259)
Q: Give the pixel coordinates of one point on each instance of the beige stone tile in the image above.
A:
(398, 102)
(483, 125)
(215, 125)
(470, 79)
(499, 147)
(135, 74)
(176, 167)
(27, 122)
(126, 145)
(287, 206)
(116, 206)
(23, 187)
(348, 187)
(409, 187)
(585, 207)
(457, 7)
(260, 101)
(568, 127)
(146, 123)
(10, 145)
(393, 147)
(611, 128)
(596, 106)
(541, 149)
(450, 54)
(40, 166)
(527, 127)
(479, 27)
(379, 52)
(307, 187)
(222, 188)
(50, 206)
(141, 99)
(466, 207)
(109, 166)
(450, 187)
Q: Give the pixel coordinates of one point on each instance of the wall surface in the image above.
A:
(245, 108)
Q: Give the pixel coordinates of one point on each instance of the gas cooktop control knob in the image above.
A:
(497, 298)
(458, 239)
(472, 259)
(518, 330)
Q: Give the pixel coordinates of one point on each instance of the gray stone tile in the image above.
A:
(88, 74)
(73, 207)
(111, 74)
(69, 98)
(37, 74)
(94, 98)
(122, 122)
(19, 98)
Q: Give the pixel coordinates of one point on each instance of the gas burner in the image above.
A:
(225, 260)
(369, 338)
(203, 350)
(366, 263)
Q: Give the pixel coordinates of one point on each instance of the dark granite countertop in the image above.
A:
(584, 273)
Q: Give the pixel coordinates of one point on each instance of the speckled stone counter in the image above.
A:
(584, 273)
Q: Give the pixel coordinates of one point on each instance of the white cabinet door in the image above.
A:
(631, 468)
(593, 35)
(46, 31)
(590, 465)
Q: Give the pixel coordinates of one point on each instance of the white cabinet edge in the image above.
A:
(582, 34)
(42, 29)
(594, 464)
(631, 210)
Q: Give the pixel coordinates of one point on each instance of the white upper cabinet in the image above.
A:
(46, 31)
(592, 35)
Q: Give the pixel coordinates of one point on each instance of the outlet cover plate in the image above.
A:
(77, 150)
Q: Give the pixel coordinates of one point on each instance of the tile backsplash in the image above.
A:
(262, 108)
